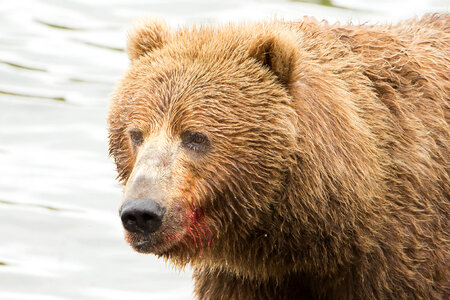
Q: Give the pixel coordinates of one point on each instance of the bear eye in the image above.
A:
(136, 137)
(198, 138)
(196, 141)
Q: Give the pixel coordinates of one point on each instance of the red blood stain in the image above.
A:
(198, 229)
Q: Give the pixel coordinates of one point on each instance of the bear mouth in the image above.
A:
(158, 244)
(189, 232)
(143, 245)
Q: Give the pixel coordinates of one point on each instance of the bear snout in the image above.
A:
(142, 215)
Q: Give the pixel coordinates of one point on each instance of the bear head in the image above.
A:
(202, 128)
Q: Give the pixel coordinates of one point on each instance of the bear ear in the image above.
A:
(146, 35)
(277, 51)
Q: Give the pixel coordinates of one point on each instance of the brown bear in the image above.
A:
(290, 160)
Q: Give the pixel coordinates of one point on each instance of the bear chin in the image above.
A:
(157, 243)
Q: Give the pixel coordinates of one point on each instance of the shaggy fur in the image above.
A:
(326, 175)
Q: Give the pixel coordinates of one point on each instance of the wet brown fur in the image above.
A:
(328, 173)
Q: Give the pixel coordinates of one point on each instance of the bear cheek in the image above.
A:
(188, 204)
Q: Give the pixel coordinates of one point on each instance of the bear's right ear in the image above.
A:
(146, 35)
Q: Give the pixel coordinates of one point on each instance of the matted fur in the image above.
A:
(327, 175)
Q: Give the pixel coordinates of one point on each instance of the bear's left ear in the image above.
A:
(145, 36)
(276, 50)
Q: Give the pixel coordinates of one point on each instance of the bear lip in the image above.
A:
(155, 244)
(141, 244)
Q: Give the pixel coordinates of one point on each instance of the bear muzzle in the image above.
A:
(153, 218)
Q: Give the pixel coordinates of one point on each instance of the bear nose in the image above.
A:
(142, 215)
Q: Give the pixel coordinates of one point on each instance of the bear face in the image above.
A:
(205, 130)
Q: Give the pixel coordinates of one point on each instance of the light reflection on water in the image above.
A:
(59, 60)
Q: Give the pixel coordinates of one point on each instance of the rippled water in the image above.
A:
(61, 237)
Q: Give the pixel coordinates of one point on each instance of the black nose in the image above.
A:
(141, 215)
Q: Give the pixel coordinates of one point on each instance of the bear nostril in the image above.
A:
(146, 217)
(129, 219)
(129, 222)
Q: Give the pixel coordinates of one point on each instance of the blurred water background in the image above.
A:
(60, 234)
